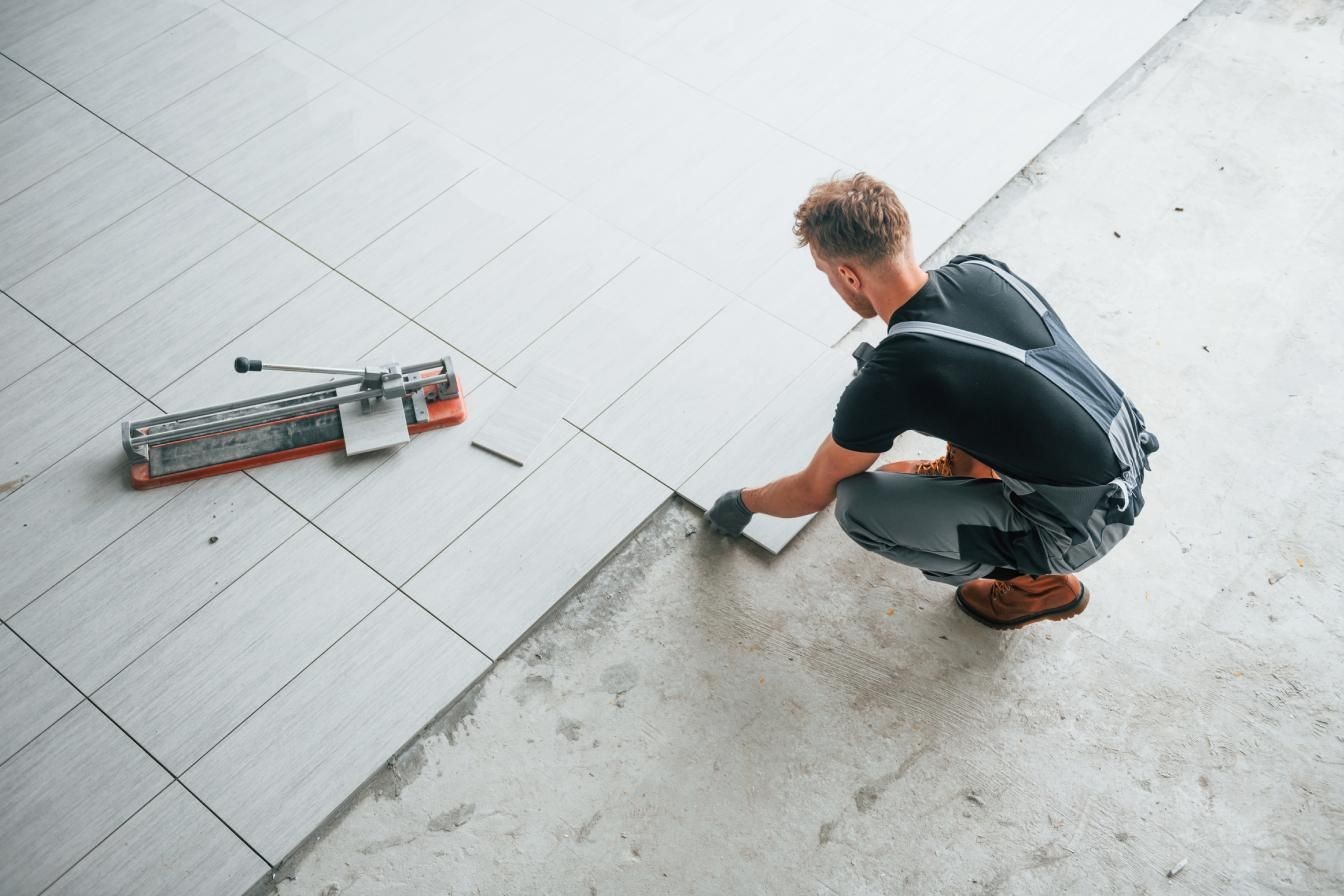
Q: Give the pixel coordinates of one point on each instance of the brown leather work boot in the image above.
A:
(954, 462)
(1022, 600)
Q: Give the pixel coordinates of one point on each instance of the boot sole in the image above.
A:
(1068, 611)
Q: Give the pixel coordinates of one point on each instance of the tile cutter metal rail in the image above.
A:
(367, 409)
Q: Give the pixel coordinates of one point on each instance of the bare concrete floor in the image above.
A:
(704, 719)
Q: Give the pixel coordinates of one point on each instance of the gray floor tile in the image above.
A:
(98, 619)
(557, 266)
(57, 214)
(310, 484)
(623, 331)
(629, 26)
(375, 192)
(18, 89)
(293, 763)
(44, 138)
(28, 341)
(69, 513)
(66, 791)
(21, 18)
(222, 115)
(780, 440)
(283, 16)
(170, 331)
(328, 324)
(510, 568)
(34, 435)
(695, 400)
(716, 40)
(33, 695)
(355, 33)
(192, 688)
(302, 148)
(95, 34)
(429, 511)
(171, 65)
(524, 419)
(117, 267)
(171, 847)
(449, 239)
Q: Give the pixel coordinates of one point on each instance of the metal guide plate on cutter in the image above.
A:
(382, 427)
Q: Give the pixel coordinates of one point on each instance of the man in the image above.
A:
(1045, 456)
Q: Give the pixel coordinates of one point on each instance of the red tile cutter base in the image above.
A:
(325, 417)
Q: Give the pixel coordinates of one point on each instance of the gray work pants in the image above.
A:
(957, 529)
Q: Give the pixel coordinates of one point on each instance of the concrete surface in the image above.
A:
(701, 718)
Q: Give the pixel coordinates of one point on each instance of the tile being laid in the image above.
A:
(355, 33)
(311, 484)
(552, 269)
(233, 108)
(28, 341)
(621, 332)
(430, 492)
(33, 696)
(510, 568)
(290, 765)
(113, 608)
(366, 198)
(38, 429)
(696, 399)
(44, 138)
(68, 514)
(164, 335)
(780, 440)
(172, 843)
(171, 65)
(304, 147)
(63, 210)
(18, 89)
(452, 237)
(328, 324)
(116, 267)
(189, 690)
(65, 792)
(517, 427)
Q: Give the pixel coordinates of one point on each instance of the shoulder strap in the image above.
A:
(926, 328)
(1016, 283)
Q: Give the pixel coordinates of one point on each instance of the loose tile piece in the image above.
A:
(98, 619)
(276, 777)
(376, 191)
(510, 568)
(171, 847)
(233, 108)
(28, 341)
(550, 271)
(61, 211)
(33, 695)
(780, 440)
(72, 511)
(66, 791)
(431, 491)
(517, 427)
(694, 401)
(303, 147)
(167, 333)
(112, 270)
(44, 138)
(188, 691)
(171, 65)
(621, 332)
(449, 239)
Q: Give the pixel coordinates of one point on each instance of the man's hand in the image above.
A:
(729, 516)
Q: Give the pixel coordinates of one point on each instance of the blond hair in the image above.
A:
(857, 218)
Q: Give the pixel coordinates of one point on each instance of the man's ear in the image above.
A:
(849, 275)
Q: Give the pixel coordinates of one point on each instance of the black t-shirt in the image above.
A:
(996, 408)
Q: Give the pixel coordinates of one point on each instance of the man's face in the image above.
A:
(845, 280)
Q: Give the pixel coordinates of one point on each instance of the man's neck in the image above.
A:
(895, 286)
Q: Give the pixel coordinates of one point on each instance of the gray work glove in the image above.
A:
(729, 516)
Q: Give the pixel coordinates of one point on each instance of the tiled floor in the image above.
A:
(194, 677)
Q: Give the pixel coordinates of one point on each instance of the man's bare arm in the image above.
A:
(811, 489)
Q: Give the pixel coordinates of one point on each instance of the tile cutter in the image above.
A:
(358, 412)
